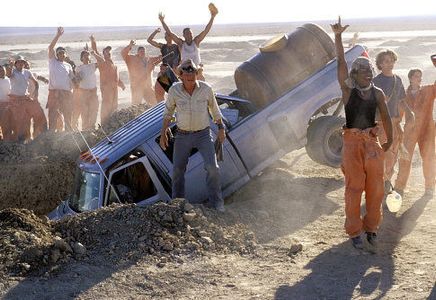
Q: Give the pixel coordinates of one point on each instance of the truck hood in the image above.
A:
(61, 211)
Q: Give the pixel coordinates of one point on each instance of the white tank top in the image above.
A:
(191, 52)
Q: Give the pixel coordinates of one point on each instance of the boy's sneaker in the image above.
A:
(388, 187)
(357, 242)
(371, 237)
(400, 192)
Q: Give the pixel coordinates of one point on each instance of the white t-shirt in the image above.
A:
(60, 75)
(20, 82)
(88, 79)
(5, 89)
(190, 51)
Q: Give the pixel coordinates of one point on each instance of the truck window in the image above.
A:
(86, 194)
(132, 185)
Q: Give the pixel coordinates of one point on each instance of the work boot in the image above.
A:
(371, 237)
(357, 242)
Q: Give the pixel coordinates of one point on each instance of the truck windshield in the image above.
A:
(86, 191)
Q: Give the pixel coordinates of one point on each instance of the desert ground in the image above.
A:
(281, 237)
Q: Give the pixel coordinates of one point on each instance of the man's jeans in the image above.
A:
(183, 145)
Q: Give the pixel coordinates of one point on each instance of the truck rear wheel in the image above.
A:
(324, 140)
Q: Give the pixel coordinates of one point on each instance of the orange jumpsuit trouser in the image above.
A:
(88, 107)
(60, 109)
(6, 121)
(23, 110)
(362, 165)
(109, 101)
(426, 143)
(391, 156)
(143, 92)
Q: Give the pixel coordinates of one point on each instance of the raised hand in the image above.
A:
(132, 43)
(337, 28)
(92, 38)
(60, 31)
(157, 30)
(213, 10)
(161, 16)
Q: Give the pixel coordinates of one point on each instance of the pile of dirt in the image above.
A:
(25, 241)
(160, 233)
(39, 175)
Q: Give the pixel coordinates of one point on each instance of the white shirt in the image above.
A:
(60, 75)
(86, 73)
(190, 52)
(5, 89)
(20, 82)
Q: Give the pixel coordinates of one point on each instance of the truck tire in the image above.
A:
(324, 140)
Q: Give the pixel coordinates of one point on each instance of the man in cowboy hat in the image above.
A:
(193, 100)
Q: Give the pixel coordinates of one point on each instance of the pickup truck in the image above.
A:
(129, 166)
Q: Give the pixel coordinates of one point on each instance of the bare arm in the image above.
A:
(98, 57)
(199, 38)
(126, 50)
(42, 78)
(386, 119)
(151, 40)
(175, 38)
(340, 57)
(51, 51)
(93, 44)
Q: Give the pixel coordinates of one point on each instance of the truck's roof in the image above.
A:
(126, 138)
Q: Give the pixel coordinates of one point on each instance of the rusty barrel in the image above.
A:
(282, 63)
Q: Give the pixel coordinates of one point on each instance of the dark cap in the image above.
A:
(433, 59)
(83, 53)
(107, 48)
(59, 49)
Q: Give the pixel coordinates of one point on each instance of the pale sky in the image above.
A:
(179, 12)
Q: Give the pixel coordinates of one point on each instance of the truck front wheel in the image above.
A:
(324, 140)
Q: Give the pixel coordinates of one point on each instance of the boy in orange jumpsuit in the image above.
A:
(419, 131)
(362, 156)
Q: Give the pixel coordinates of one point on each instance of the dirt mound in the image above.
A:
(161, 233)
(25, 241)
(39, 175)
(122, 116)
(174, 229)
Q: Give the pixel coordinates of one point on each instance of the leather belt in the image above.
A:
(189, 132)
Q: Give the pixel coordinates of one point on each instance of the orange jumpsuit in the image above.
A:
(421, 132)
(362, 165)
(140, 71)
(23, 109)
(6, 121)
(109, 81)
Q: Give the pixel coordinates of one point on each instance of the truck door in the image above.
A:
(135, 182)
(256, 142)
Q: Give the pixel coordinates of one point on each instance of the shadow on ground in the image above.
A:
(341, 271)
